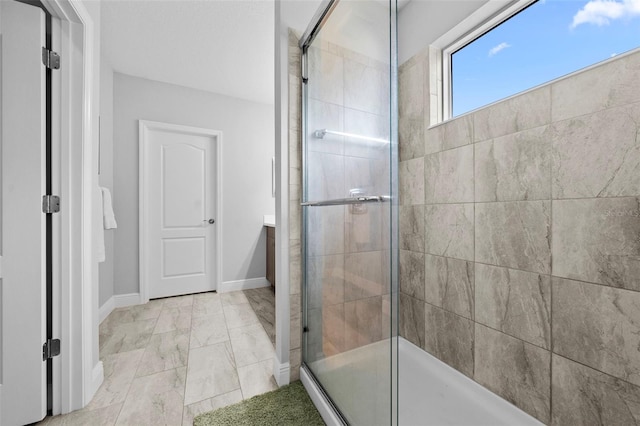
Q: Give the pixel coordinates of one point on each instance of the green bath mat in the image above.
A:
(290, 405)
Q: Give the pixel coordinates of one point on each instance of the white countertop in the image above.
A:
(270, 220)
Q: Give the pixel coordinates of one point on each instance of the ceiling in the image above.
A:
(227, 46)
(219, 46)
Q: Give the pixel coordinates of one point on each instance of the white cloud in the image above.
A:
(498, 48)
(602, 12)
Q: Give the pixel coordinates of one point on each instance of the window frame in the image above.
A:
(483, 20)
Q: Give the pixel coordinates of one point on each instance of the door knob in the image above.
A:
(211, 221)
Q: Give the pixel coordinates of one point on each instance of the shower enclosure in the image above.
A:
(479, 268)
(349, 201)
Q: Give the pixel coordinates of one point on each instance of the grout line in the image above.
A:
(474, 322)
(598, 372)
(233, 354)
(186, 366)
(139, 362)
(591, 198)
(550, 158)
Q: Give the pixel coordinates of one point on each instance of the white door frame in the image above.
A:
(77, 370)
(144, 127)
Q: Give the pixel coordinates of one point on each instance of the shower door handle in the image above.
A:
(347, 201)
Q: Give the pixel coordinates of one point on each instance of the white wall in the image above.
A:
(296, 15)
(247, 148)
(1, 281)
(421, 22)
(93, 7)
(105, 177)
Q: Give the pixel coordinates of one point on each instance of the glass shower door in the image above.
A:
(348, 151)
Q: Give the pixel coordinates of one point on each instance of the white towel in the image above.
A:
(107, 210)
(101, 252)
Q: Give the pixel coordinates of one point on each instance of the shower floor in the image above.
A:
(430, 392)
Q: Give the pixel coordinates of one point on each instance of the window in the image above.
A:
(531, 43)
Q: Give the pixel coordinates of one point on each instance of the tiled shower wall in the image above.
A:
(348, 298)
(520, 241)
(347, 245)
(295, 211)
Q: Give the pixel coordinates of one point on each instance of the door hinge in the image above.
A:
(50, 59)
(50, 204)
(50, 348)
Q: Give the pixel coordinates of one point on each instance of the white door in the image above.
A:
(178, 209)
(23, 223)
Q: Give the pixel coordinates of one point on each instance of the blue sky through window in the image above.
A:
(549, 39)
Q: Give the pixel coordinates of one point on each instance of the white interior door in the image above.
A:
(178, 212)
(23, 223)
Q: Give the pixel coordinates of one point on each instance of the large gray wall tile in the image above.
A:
(295, 102)
(325, 280)
(515, 302)
(596, 240)
(295, 267)
(294, 57)
(364, 274)
(583, 396)
(363, 123)
(514, 234)
(363, 322)
(358, 174)
(359, 79)
(514, 167)
(412, 274)
(333, 329)
(367, 231)
(598, 326)
(411, 181)
(411, 319)
(522, 112)
(326, 231)
(323, 115)
(449, 284)
(411, 81)
(450, 134)
(449, 176)
(449, 337)
(604, 86)
(448, 230)
(411, 228)
(597, 155)
(410, 138)
(326, 172)
(326, 76)
(517, 371)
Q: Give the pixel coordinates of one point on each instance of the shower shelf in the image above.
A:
(347, 201)
(319, 134)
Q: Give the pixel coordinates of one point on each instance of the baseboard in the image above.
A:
(248, 284)
(281, 372)
(97, 377)
(122, 300)
(118, 301)
(106, 309)
(326, 411)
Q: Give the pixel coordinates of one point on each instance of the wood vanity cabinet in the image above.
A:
(271, 255)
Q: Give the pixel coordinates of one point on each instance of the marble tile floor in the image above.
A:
(171, 359)
(263, 302)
